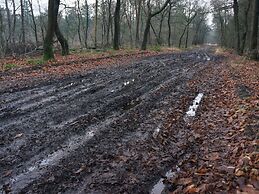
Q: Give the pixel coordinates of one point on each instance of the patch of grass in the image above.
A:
(156, 48)
(9, 66)
(38, 61)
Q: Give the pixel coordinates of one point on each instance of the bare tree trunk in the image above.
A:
(116, 41)
(59, 35)
(12, 34)
(54, 28)
(34, 23)
(196, 40)
(160, 41)
(8, 20)
(62, 40)
(129, 23)
(95, 23)
(237, 31)
(254, 31)
(87, 24)
(181, 37)
(138, 10)
(146, 32)
(189, 21)
(23, 22)
(41, 22)
(169, 25)
(244, 36)
(2, 41)
(79, 22)
(148, 22)
(222, 35)
(109, 23)
(48, 42)
(187, 37)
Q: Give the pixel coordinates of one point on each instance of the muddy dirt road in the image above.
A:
(96, 132)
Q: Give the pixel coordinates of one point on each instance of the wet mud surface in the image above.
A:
(94, 133)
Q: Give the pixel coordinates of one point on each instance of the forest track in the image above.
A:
(94, 133)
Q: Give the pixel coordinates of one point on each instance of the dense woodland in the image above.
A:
(27, 25)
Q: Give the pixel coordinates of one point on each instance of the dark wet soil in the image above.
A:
(93, 132)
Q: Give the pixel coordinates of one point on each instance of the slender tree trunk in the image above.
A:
(8, 20)
(148, 22)
(41, 22)
(34, 23)
(160, 41)
(154, 31)
(116, 41)
(109, 23)
(12, 34)
(169, 25)
(128, 18)
(146, 32)
(187, 37)
(95, 23)
(2, 41)
(23, 22)
(138, 10)
(87, 23)
(53, 27)
(222, 35)
(79, 23)
(189, 21)
(62, 40)
(254, 30)
(244, 36)
(237, 31)
(48, 42)
(196, 39)
(181, 37)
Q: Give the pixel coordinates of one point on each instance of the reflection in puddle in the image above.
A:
(160, 186)
(193, 108)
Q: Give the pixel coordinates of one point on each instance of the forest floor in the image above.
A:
(121, 123)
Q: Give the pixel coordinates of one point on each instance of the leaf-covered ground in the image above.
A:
(116, 124)
(224, 136)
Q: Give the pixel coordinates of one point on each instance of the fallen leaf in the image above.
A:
(184, 181)
(82, 168)
(7, 173)
(239, 172)
(192, 189)
(18, 135)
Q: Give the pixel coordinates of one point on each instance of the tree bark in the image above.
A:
(116, 40)
(254, 31)
(146, 32)
(62, 41)
(169, 25)
(8, 20)
(148, 22)
(48, 42)
(34, 23)
(79, 15)
(189, 21)
(237, 29)
(87, 23)
(53, 27)
(187, 37)
(12, 33)
(138, 10)
(95, 23)
(109, 23)
(23, 22)
(244, 36)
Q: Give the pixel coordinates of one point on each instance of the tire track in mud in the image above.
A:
(62, 114)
